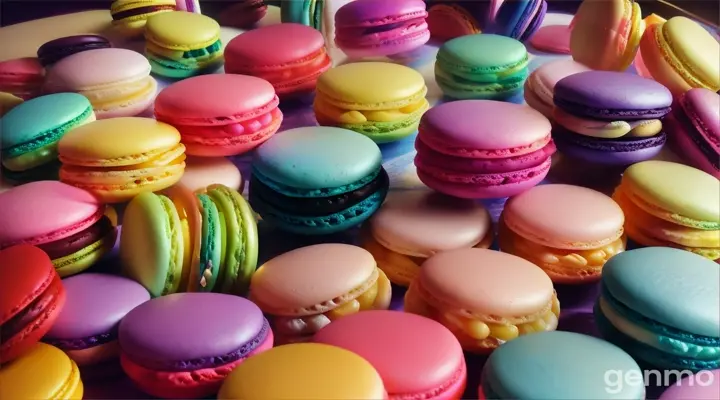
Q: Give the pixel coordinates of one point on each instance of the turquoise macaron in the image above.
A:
(560, 365)
(481, 66)
(317, 180)
(306, 12)
(32, 130)
(662, 305)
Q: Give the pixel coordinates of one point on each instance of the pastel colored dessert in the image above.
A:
(8, 102)
(57, 49)
(22, 77)
(283, 373)
(705, 385)
(291, 65)
(119, 158)
(116, 81)
(639, 64)
(201, 172)
(224, 330)
(498, 72)
(192, 6)
(181, 44)
(305, 12)
(180, 241)
(568, 231)
(413, 225)
(518, 19)
(610, 118)
(674, 323)
(694, 129)
(243, 14)
(32, 130)
(67, 223)
(672, 205)
(129, 16)
(44, 372)
(396, 344)
(518, 297)
(606, 34)
(31, 301)
(370, 28)
(317, 180)
(553, 39)
(383, 101)
(584, 362)
(539, 86)
(681, 55)
(483, 149)
(305, 289)
(220, 114)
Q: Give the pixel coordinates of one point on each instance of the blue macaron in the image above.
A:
(518, 19)
(306, 12)
(662, 306)
(317, 180)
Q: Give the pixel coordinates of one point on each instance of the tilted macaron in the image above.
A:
(201, 172)
(185, 344)
(196, 242)
(568, 231)
(668, 204)
(44, 372)
(68, 223)
(292, 65)
(119, 158)
(498, 72)
(639, 64)
(22, 77)
(383, 101)
(181, 44)
(416, 224)
(517, 297)
(31, 301)
(317, 180)
(55, 50)
(31, 132)
(415, 356)
(305, 289)
(518, 19)
(539, 86)
(662, 306)
(129, 16)
(705, 385)
(561, 365)
(243, 14)
(306, 12)
(220, 114)
(116, 81)
(483, 148)
(606, 34)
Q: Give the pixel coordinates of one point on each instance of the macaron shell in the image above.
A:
(705, 385)
(696, 50)
(45, 372)
(367, 13)
(94, 69)
(500, 51)
(542, 81)
(552, 39)
(180, 30)
(702, 106)
(20, 290)
(597, 38)
(261, 49)
(201, 172)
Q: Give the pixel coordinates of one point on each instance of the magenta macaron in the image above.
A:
(483, 148)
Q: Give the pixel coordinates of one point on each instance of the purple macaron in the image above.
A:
(57, 49)
(185, 344)
(518, 19)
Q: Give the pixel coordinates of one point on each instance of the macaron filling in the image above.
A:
(66, 246)
(565, 137)
(256, 130)
(133, 12)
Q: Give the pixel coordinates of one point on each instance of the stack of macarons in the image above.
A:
(57, 49)
(130, 16)
(518, 19)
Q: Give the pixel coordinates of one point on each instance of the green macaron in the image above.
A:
(306, 12)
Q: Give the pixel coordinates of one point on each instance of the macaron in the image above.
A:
(220, 114)
(610, 118)
(413, 225)
(305, 289)
(188, 5)
(116, 81)
(554, 39)
(31, 300)
(705, 385)
(672, 205)
(201, 242)
(694, 129)
(243, 14)
(483, 148)
(498, 72)
(671, 323)
(306, 12)
(22, 77)
(518, 19)
(317, 180)
(119, 158)
(539, 86)
(371, 28)
(182, 44)
(568, 231)
(606, 34)
(383, 101)
(396, 344)
(57, 49)
(291, 65)
(518, 297)
(8, 102)
(556, 365)
(68, 223)
(32, 130)
(201, 172)
(450, 19)
(129, 16)
(154, 340)
(681, 55)
(44, 372)
(86, 328)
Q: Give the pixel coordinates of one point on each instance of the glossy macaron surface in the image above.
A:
(180, 30)
(500, 52)
(258, 50)
(45, 372)
(96, 69)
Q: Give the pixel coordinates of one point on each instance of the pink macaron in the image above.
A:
(552, 39)
(22, 77)
(483, 148)
(704, 385)
(540, 84)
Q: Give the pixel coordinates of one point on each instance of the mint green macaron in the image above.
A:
(306, 12)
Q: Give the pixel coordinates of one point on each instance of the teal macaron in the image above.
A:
(31, 131)
(561, 366)
(306, 12)
(481, 66)
(662, 305)
(210, 242)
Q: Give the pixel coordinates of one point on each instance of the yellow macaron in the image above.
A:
(44, 372)
(129, 16)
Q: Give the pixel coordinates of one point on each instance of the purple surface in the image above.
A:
(376, 12)
(535, 23)
(608, 152)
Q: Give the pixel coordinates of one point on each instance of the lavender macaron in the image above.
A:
(57, 49)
